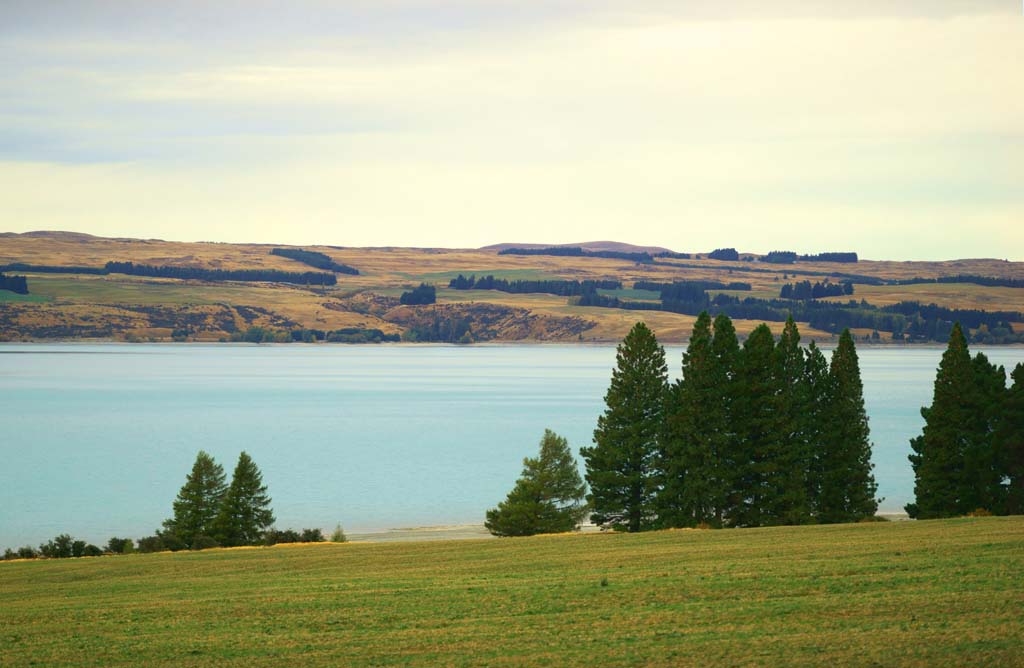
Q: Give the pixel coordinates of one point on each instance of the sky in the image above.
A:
(891, 128)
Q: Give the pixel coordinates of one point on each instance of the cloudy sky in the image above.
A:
(893, 128)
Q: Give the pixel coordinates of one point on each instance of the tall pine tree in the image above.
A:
(697, 435)
(847, 485)
(789, 462)
(754, 417)
(1010, 443)
(982, 483)
(198, 501)
(548, 496)
(245, 512)
(621, 466)
(938, 459)
(815, 423)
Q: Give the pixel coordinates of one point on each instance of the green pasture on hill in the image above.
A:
(936, 593)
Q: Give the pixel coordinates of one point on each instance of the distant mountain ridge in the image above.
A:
(617, 246)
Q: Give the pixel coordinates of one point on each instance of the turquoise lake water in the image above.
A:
(96, 440)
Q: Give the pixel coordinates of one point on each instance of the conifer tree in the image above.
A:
(981, 485)
(198, 501)
(695, 426)
(847, 486)
(1010, 442)
(726, 348)
(245, 512)
(548, 496)
(753, 417)
(788, 464)
(815, 423)
(938, 457)
(621, 466)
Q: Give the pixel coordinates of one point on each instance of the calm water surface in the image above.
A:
(96, 440)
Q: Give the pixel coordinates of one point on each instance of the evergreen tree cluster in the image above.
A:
(16, 284)
(830, 257)
(725, 254)
(274, 275)
(315, 259)
(209, 512)
(804, 290)
(764, 434)
(780, 257)
(990, 281)
(423, 294)
(700, 285)
(970, 454)
(562, 288)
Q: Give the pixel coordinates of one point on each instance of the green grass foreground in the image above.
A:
(909, 594)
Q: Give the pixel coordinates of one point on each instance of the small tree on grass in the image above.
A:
(245, 512)
(547, 498)
(338, 535)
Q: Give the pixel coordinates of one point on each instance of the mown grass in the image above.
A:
(892, 594)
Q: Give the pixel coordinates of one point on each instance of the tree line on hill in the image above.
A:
(969, 458)
(804, 290)
(989, 281)
(764, 434)
(16, 284)
(724, 254)
(562, 288)
(576, 251)
(699, 285)
(315, 259)
(207, 512)
(789, 257)
(256, 334)
(422, 295)
(164, 271)
(906, 320)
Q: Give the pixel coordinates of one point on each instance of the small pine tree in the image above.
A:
(338, 535)
(546, 498)
(198, 501)
(621, 465)
(245, 512)
(847, 491)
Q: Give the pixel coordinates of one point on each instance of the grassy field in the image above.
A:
(940, 593)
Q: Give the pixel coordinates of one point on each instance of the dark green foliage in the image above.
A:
(1010, 442)
(805, 290)
(315, 259)
(151, 544)
(817, 386)
(120, 545)
(255, 334)
(694, 469)
(727, 254)
(27, 552)
(52, 269)
(360, 335)
(966, 278)
(274, 275)
(682, 285)
(77, 548)
(16, 284)
(622, 465)
(424, 294)
(92, 551)
(245, 512)
(60, 547)
(198, 501)
(312, 536)
(780, 257)
(563, 288)
(830, 257)
(204, 543)
(847, 486)
(955, 461)
(789, 464)
(173, 542)
(275, 536)
(548, 496)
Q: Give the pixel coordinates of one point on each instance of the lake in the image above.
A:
(96, 439)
